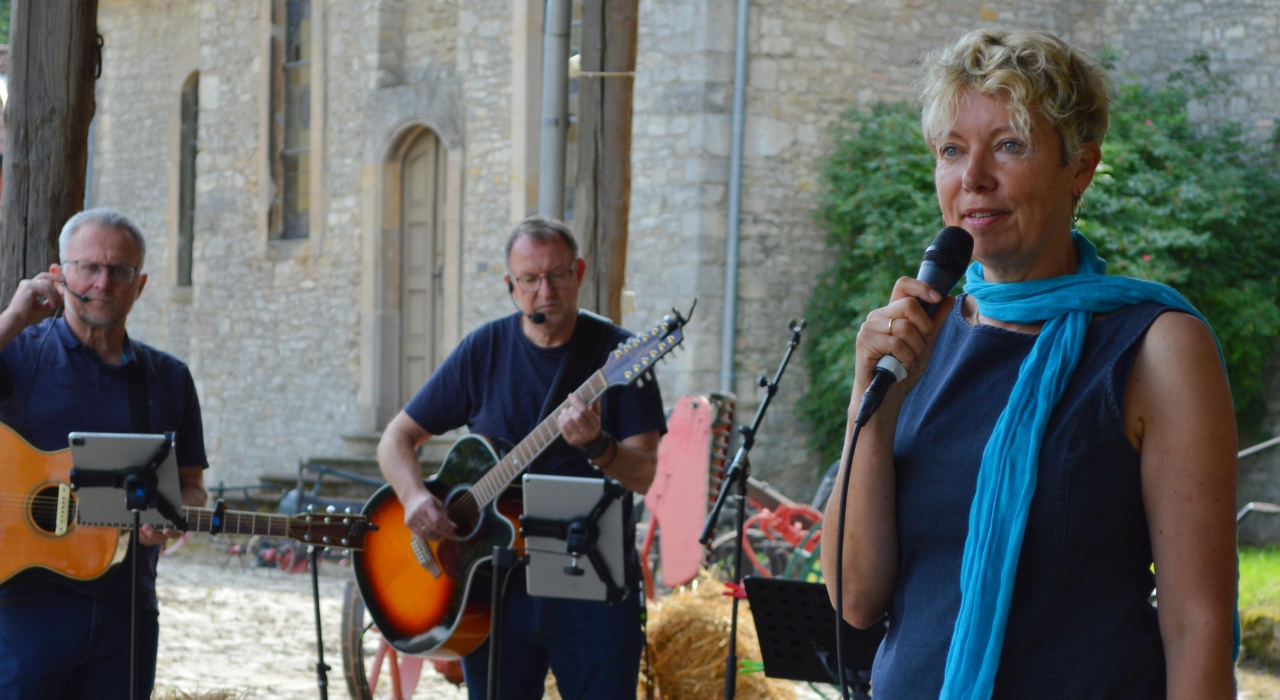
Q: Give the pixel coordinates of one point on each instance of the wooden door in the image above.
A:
(421, 262)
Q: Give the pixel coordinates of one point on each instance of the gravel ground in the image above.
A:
(229, 629)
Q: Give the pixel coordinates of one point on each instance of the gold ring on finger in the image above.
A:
(891, 320)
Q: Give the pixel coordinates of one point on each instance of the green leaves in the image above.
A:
(877, 205)
(1189, 204)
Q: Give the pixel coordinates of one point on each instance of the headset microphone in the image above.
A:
(84, 298)
(536, 317)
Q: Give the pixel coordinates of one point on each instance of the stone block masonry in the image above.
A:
(278, 335)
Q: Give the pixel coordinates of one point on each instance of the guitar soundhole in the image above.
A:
(44, 510)
(461, 506)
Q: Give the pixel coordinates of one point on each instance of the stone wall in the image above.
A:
(808, 62)
(277, 334)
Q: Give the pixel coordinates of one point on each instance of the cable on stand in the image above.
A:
(141, 492)
(505, 562)
(322, 669)
(737, 474)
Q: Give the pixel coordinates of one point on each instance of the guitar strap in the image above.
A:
(590, 335)
(139, 413)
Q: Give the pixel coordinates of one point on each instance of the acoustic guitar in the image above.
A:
(432, 598)
(39, 527)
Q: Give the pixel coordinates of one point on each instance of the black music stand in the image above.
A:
(794, 623)
(141, 491)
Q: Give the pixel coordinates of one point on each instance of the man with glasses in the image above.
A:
(496, 382)
(67, 364)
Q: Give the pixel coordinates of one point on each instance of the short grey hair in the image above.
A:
(102, 216)
(540, 229)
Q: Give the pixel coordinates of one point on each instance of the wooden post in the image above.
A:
(602, 193)
(53, 57)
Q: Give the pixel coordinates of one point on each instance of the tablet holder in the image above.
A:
(581, 536)
(141, 492)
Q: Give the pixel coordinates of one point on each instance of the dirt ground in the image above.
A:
(227, 625)
(234, 630)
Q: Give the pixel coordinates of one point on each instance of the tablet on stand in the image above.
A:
(104, 505)
(552, 572)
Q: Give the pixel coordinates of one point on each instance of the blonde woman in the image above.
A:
(1060, 430)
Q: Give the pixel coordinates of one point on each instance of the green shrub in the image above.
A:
(1189, 205)
(1260, 578)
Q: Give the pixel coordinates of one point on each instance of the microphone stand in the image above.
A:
(738, 473)
(322, 678)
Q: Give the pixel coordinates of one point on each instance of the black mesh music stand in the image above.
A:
(794, 623)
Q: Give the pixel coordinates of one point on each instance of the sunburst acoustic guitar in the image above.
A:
(39, 527)
(432, 598)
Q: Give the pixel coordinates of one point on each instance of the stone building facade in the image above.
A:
(295, 343)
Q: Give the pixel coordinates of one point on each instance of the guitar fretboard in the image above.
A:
(515, 461)
(233, 522)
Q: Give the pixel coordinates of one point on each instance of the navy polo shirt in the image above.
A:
(52, 384)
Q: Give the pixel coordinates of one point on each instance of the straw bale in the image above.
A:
(688, 642)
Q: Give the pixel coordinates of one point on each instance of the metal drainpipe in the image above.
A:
(729, 331)
(555, 107)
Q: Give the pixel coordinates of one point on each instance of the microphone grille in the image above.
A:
(951, 250)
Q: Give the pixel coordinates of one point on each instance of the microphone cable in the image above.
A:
(845, 466)
(944, 263)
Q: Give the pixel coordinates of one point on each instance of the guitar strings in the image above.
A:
(233, 522)
(465, 504)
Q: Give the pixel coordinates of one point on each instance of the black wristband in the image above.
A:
(597, 447)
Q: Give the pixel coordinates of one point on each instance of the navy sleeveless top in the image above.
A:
(1080, 624)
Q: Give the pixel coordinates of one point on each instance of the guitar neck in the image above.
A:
(514, 463)
(234, 522)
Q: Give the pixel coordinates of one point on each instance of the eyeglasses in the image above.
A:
(558, 279)
(89, 270)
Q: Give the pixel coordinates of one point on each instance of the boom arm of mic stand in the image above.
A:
(736, 468)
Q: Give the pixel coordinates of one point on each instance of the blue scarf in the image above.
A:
(1007, 477)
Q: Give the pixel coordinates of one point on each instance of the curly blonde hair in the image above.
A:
(1029, 71)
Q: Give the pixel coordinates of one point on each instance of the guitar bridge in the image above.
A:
(62, 516)
(422, 552)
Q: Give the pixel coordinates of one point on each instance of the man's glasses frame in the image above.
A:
(90, 270)
(558, 279)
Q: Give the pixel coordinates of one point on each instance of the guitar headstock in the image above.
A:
(638, 355)
(329, 529)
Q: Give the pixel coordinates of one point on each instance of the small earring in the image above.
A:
(1077, 205)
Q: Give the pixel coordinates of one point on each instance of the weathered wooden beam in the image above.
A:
(602, 193)
(53, 58)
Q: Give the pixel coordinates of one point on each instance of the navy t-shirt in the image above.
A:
(496, 381)
(51, 384)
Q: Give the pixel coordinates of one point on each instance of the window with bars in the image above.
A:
(291, 119)
(187, 150)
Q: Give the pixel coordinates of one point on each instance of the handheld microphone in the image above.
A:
(536, 317)
(944, 263)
